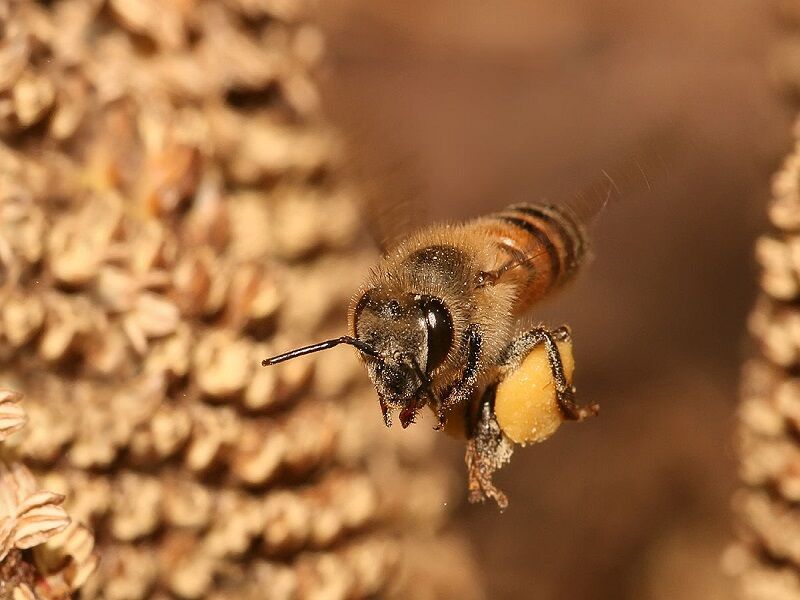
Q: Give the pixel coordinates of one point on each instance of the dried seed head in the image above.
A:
(214, 431)
(135, 507)
(28, 516)
(14, 52)
(192, 573)
(33, 95)
(260, 452)
(162, 21)
(784, 209)
(222, 364)
(187, 504)
(39, 518)
(22, 318)
(172, 160)
(75, 546)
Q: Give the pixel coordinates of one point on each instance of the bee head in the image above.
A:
(403, 339)
(411, 334)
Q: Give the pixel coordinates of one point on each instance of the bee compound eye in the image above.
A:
(440, 330)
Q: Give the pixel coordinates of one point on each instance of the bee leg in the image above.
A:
(387, 415)
(441, 417)
(565, 393)
(487, 450)
(439, 407)
(408, 415)
(462, 390)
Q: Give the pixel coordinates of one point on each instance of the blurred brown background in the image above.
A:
(517, 100)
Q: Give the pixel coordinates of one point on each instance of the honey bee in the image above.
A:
(436, 323)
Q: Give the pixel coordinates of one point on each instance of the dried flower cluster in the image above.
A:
(767, 558)
(62, 556)
(168, 218)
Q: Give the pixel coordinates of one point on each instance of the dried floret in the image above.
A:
(12, 415)
(28, 516)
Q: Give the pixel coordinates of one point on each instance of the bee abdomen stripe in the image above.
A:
(541, 238)
(566, 227)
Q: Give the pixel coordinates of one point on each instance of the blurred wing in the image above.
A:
(643, 172)
(384, 180)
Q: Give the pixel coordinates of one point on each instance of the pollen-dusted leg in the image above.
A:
(487, 450)
(462, 390)
(387, 414)
(441, 413)
(565, 393)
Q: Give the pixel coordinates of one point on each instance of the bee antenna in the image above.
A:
(345, 339)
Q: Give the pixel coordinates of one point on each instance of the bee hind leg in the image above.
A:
(441, 413)
(521, 346)
(387, 414)
(487, 450)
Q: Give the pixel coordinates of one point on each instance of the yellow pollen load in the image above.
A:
(525, 406)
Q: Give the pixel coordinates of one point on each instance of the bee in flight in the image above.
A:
(436, 323)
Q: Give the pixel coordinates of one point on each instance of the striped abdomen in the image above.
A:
(542, 244)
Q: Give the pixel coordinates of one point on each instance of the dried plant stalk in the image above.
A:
(168, 218)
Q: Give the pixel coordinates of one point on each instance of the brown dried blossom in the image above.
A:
(78, 244)
(190, 571)
(102, 434)
(125, 571)
(70, 109)
(260, 452)
(163, 435)
(766, 560)
(88, 497)
(239, 519)
(214, 432)
(51, 424)
(222, 364)
(22, 318)
(29, 516)
(784, 209)
(22, 225)
(33, 95)
(173, 177)
(162, 229)
(73, 547)
(33, 518)
(14, 54)
(163, 21)
(12, 415)
(187, 504)
(200, 283)
(780, 259)
(152, 316)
